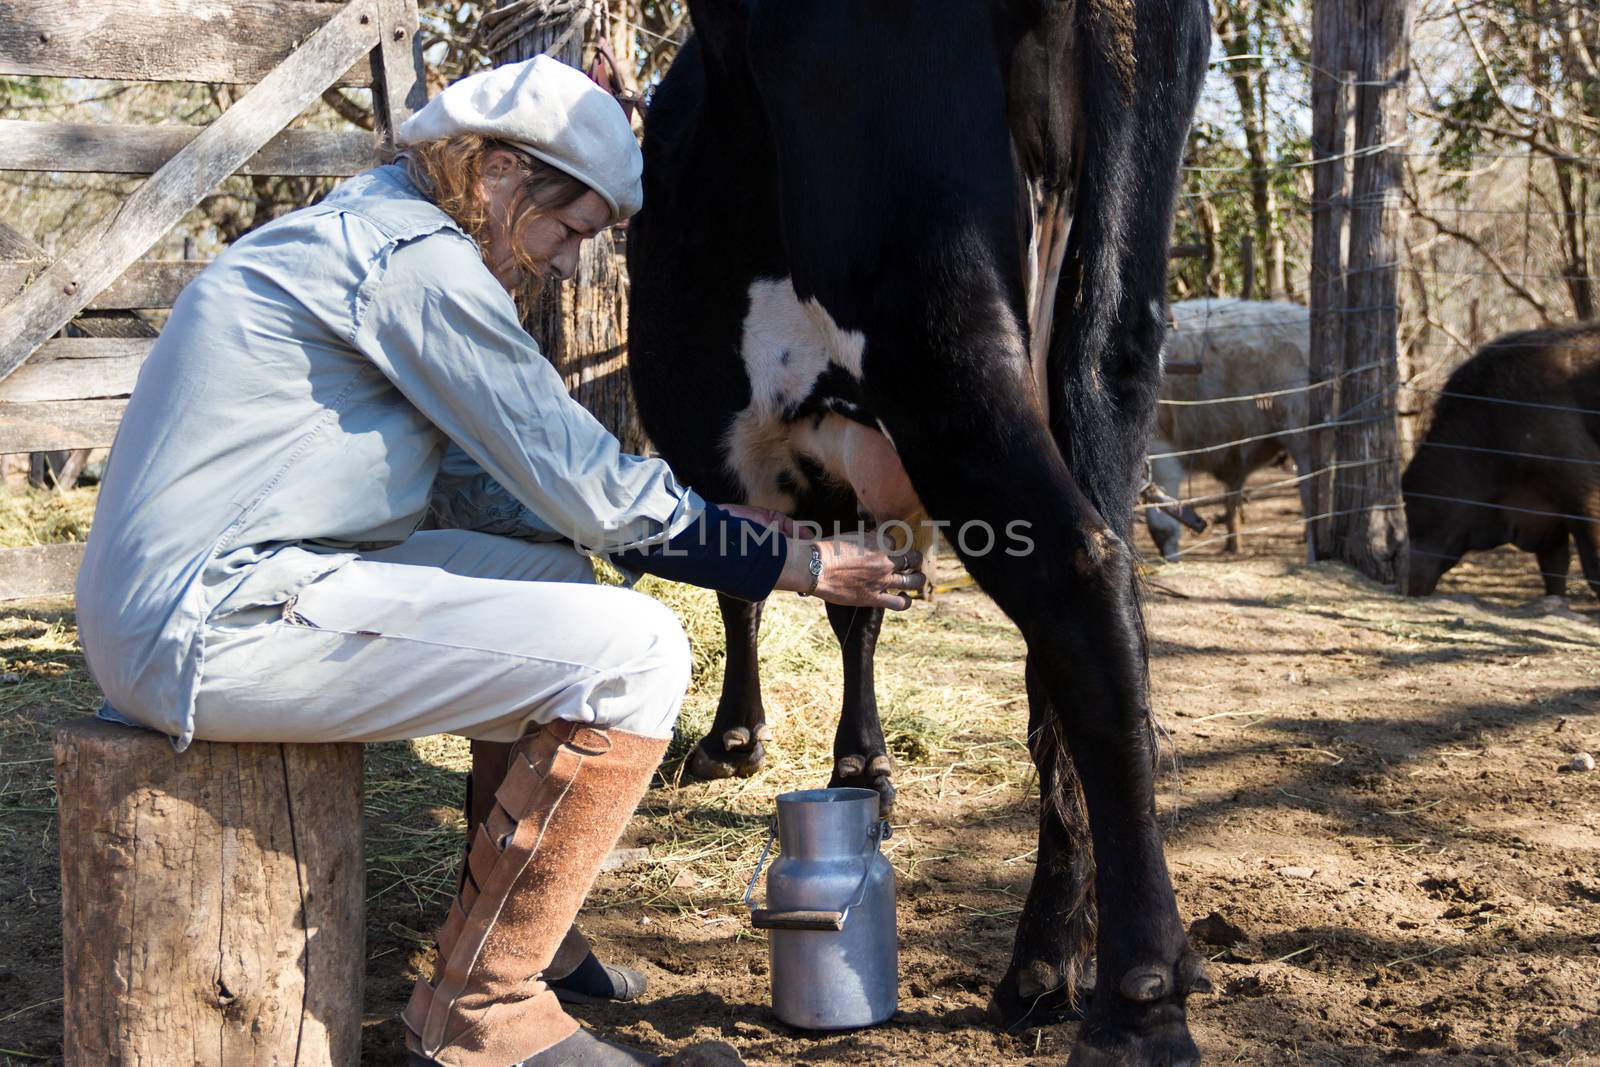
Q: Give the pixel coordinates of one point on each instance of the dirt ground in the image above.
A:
(1368, 793)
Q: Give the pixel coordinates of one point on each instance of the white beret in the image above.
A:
(549, 110)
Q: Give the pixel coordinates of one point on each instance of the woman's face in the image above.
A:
(550, 239)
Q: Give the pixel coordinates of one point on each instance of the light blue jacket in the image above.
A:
(298, 407)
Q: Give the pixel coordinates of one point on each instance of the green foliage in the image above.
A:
(21, 92)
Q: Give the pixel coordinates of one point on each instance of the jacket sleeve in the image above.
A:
(464, 497)
(720, 551)
(435, 322)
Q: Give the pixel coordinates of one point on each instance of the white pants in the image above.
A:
(450, 632)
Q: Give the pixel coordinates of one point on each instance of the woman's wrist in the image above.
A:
(796, 575)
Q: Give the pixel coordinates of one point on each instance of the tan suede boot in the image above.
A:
(565, 799)
(576, 975)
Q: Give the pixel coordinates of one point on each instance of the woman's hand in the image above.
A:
(855, 572)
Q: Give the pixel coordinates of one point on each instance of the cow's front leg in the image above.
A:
(1046, 982)
(736, 744)
(860, 757)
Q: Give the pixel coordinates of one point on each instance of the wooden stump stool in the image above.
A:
(212, 902)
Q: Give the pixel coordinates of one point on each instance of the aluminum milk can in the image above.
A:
(835, 959)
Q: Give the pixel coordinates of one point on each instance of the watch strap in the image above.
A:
(815, 567)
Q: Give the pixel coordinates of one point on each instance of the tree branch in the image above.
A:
(347, 108)
(1489, 257)
(1532, 141)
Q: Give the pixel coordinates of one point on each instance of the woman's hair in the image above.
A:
(447, 171)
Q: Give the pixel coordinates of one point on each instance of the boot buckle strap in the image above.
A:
(589, 741)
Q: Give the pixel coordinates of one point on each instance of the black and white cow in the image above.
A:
(900, 256)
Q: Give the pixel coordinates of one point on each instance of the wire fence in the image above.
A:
(1462, 251)
(1274, 423)
(1484, 265)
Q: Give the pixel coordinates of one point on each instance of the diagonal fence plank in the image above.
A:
(106, 251)
(18, 247)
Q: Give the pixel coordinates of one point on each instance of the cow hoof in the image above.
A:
(862, 772)
(735, 755)
(1164, 1044)
(1145, 1024)
(1014, 1009)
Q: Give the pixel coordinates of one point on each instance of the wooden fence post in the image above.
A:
(1369, 524)
(1332, 95)
(212, 901)
(399, 86)
(1330, 89)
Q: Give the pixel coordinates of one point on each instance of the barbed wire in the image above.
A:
(1289, 525)
(1334, 468)
(1585, 7)
(1284, 166)
(1507, 400)
(1391, 505)
(1256, 492)
(1506, 507)
(1508, 452)
(1290, 432)
(646, 31)
(1271, 393)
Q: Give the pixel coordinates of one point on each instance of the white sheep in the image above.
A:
(1244, 348)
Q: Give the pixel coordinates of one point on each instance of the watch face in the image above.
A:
(816, 565)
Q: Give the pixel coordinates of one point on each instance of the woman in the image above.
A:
(256, 570)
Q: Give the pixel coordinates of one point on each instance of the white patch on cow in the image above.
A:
(784, 354)
(844, 347)
(786, 346)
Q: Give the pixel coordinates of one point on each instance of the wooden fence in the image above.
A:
(67, 392)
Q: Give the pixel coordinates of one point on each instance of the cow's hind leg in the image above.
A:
(1555, 560)
(736, 744)
(860, 757)
(1233, 518)
(1045, 983)
(1587, 535)
(1067, 579)
(1090, 651)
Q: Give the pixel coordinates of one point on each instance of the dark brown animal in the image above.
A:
(1511, 456)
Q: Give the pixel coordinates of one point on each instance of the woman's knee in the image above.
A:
(654, 677)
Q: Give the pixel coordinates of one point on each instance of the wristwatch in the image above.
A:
(815, 567)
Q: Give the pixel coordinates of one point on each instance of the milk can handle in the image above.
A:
(763, 919)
